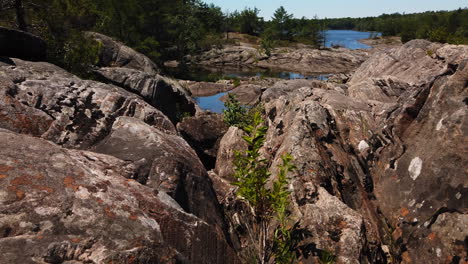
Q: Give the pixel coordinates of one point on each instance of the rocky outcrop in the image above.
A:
(116, 54)
(161, 92)
(420, 176)
(22, 45)
(303, 60)
(417, 62)
(166, 163)
(65, 109)
(203, 133)
(200, 89)
(230, 143)
(380, 164)
(246, 94)
(71, 206)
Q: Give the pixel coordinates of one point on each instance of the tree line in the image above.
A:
(441, 26)
(167, 30)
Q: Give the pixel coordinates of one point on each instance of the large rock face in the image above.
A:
(116, 54)
(19, 44)
(381, 163)
(65, 109)
(304, 60)
(166, 163)
(161, 92)
(420, 177)
(417, 62)
(71, 206)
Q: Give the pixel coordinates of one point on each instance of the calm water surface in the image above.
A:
(346, 38)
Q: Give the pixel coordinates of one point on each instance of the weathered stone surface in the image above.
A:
(285, 87)
(387, 152)
(163, 93)
(304, 60)
(65, 109)
(420, 177)
(166, 163)
(116, 54)
(230, 143)
(82, 208)
(246, 94)
(416, 62)
(203, 133)
(19, 44)
(199, 89)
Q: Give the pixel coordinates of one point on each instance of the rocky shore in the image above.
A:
(128, 169)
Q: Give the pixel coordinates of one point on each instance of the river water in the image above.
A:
(345, 38)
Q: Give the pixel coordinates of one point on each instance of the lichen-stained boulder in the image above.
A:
(70, 111)
(204, 132)
(161, 92)
(416, 62)
(246, 94)
(325, 131)
(420, 176)
(230, 143)
(71, 206)
(116, 54)
(166, 163)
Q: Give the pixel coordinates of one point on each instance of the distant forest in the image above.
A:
(165, 30)
(442, 26)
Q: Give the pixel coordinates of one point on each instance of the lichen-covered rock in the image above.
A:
(230, 143)
(204, 132)
(246, 94)
(420, 177)
(71, 206)
(44, 100)
(199, 89)
(416, 62)
(161, 92)
(305, 60)
(116, 54)
(387, 152)
(165, 163)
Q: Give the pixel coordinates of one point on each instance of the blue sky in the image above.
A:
(340, 8)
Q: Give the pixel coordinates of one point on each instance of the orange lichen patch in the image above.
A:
(5, 168)
(404, 211)
(19, 193)
(22, 180)
(70, 183)
(343, 225)
(397, 233)
(43, 188)
(406, 258)
(431, 236)
(3, 176)
(75, 240)
(39, 177)
(39, 237)
(131, 259)
(109, 213)
(99, 200)
(133, 217)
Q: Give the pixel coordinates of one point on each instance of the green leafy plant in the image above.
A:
(283, 237)
(234, 114)
(326, 257)
(236, 82)
(266, 204)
